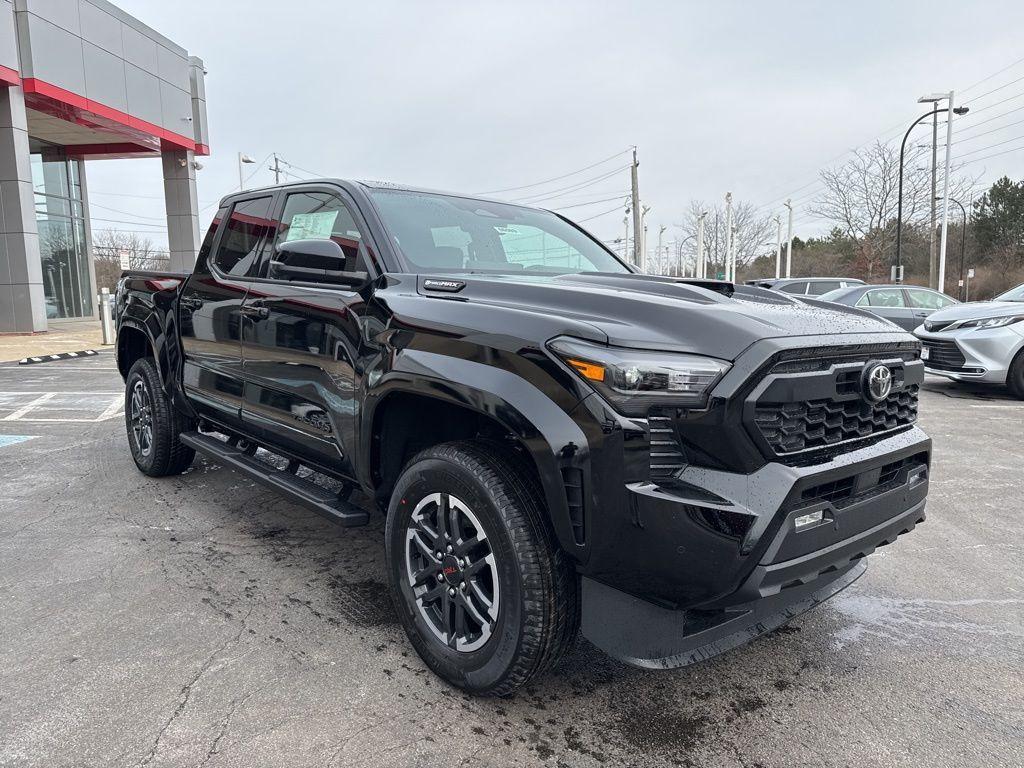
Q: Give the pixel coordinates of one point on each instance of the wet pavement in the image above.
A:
(201, 620)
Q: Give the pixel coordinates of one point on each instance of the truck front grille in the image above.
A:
(801, 426)
(944, 355)
(817, 403)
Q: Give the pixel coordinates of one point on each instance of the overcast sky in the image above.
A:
(752, 97)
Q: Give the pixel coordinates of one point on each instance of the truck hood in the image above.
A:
(652, 312)
(977, 310)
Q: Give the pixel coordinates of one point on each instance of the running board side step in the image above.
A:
(288, 484)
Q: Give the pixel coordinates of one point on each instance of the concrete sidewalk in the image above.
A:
(63, 336)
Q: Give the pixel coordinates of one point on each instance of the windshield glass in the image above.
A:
(442, 233)
(833, 295)
(1014, 294)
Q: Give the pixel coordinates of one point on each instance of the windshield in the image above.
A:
(833, 295)
(1014, 294)
(442, 233)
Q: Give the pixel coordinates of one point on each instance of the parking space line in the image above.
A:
(16, 415)
(113, 409)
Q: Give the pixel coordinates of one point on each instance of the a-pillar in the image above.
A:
(182, 209)
(22, 302)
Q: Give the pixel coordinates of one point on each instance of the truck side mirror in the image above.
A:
(313, 261)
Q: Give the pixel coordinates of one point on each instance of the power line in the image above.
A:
(556, 178)
(976, 110)
(554, 193)
(994, 154)
(1005, 85)
(993, 130)
(972, 126)
(592, 202)
(994, 74)
(991, 146)
(599, 215)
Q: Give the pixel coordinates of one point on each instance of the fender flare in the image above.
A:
(551, 438)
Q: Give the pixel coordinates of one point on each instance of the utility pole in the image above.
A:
(625, 240)
(933, 255)
(945, 196)
(789, 240)
(637, 245)
(276, 168)
(778, 248)
(643, 237)
(661, 231)
(728, 235)
(699, 268)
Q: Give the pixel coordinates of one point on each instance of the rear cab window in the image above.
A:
(247, 226)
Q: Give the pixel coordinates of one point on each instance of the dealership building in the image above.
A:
(82, 80)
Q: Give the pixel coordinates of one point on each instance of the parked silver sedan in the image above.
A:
(980, 341)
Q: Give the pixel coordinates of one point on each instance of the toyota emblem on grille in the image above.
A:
(877, 383)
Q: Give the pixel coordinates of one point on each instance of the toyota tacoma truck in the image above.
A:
(558, 442)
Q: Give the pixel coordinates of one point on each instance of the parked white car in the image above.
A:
(980, 341)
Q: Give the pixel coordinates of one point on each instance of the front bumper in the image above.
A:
(718, 559)
(987, 352)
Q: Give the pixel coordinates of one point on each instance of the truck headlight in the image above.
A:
(987, 322)
(635, 379)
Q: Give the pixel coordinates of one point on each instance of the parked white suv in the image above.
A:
(980, 341)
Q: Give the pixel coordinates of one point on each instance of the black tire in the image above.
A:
(1015, 376)
(158, 452)
(537, 614)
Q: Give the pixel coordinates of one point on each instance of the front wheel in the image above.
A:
(154, 424)
(1015, 376)
(487, 598)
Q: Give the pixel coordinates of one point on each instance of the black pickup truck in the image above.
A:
(558, 442)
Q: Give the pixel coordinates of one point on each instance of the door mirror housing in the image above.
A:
(314, 261)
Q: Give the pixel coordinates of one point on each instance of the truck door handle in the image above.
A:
(255, 312)
(192, 303)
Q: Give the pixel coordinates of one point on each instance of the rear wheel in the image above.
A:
(153, 424)
(487, 598)
(1015, 377)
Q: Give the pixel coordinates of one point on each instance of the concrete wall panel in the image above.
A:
(143, 94)
(8, 38)
(60, 13)
(176, 108)
(104, 77)
(101, 29)
(140, 50)
(56, 55)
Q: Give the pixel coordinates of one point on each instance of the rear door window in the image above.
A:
(794, 288)
(884, 297)
(247, 226)
(823, 286)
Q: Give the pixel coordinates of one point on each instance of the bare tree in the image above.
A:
(110, 244)
(861, 198)
(753, 233)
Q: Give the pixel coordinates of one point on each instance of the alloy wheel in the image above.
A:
(451, 571)
(141, 418)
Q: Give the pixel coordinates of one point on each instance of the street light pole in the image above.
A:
(778, 248)
(945, 195)
(789, 241)
(242, 158)
(963, 245)
(700, 268)
(897, 276)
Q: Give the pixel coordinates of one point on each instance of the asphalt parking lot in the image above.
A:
(201, 620)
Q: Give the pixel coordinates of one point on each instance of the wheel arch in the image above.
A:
(443, 410)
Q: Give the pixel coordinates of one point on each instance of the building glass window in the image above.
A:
(61, 223)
